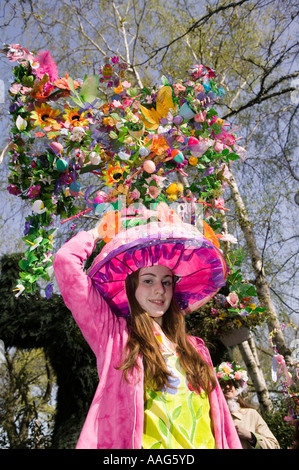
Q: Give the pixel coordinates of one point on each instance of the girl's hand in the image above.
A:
(95, 233)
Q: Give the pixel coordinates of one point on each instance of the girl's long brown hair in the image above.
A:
(142, 341)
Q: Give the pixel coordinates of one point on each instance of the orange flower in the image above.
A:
(109, 225)
(158, 144)
(210, 234)
(63, 84)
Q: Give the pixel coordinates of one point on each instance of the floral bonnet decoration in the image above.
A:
(79, 146)
(232, 371)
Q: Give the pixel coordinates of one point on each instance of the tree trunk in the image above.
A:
(262, 288)
(252, 364)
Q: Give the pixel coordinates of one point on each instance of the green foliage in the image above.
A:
(282, 430)
(48, 324)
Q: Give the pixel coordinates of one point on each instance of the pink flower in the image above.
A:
(200, 117)
(233, 299)
(218, 147)
(33, 191)
(214, 311)
(135, 194)
(15, 88)
(12, 189)
(153, 191)
(238, 375)
(177, 87)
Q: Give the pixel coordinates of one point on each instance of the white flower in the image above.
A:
(44, 179)
(94, 158)
(37, 243)
(38, 207)
(20, 288)
(77, 134)
(21, 123)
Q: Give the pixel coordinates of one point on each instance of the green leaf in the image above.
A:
(156, 445)
(71, 84)
(89, 89)
(233, 156)
(176, 413)
(199, 412)
(163, 427)
(164, 80)
(24, 264)
(184, 432)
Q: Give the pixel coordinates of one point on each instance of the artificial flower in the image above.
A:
(233, 299)
(44, 116)
(114, 174)
(158, 145)
(21, 123)
(20, 288)
(210, 234)
(33, 191)
(78, 133)
(62, 83)
(38, 207)
(74, 118)
(13, 189)
(36, 243)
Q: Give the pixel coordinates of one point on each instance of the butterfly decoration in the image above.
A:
(164, 103)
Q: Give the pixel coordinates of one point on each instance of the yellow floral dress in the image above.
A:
(179, 417)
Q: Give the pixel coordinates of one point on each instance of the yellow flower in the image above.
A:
(238, 323)
(172, 189)
(108, 121)
(72, 116)
(45, 116)
(193, 160)
(219, 122)
(252, 306)
(114, 174)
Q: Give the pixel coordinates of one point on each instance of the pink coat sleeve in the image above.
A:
(88, 308)
(225, 432)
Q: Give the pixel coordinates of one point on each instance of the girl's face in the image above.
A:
(155, 290)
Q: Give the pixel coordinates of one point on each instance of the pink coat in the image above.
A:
(115, 417)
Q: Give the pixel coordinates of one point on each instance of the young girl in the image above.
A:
(157, 387)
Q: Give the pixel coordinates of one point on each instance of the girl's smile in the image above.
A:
(155, 290)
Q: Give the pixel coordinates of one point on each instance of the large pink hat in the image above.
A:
(198, 265)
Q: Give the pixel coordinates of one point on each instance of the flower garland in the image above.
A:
(80, 147)
(232, 371)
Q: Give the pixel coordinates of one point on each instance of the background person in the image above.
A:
(253, 431)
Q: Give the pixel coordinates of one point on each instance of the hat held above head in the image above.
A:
(199, 267)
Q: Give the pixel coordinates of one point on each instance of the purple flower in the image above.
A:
(28, 226)
(13, 189)
(49, 290)
(33, 191)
